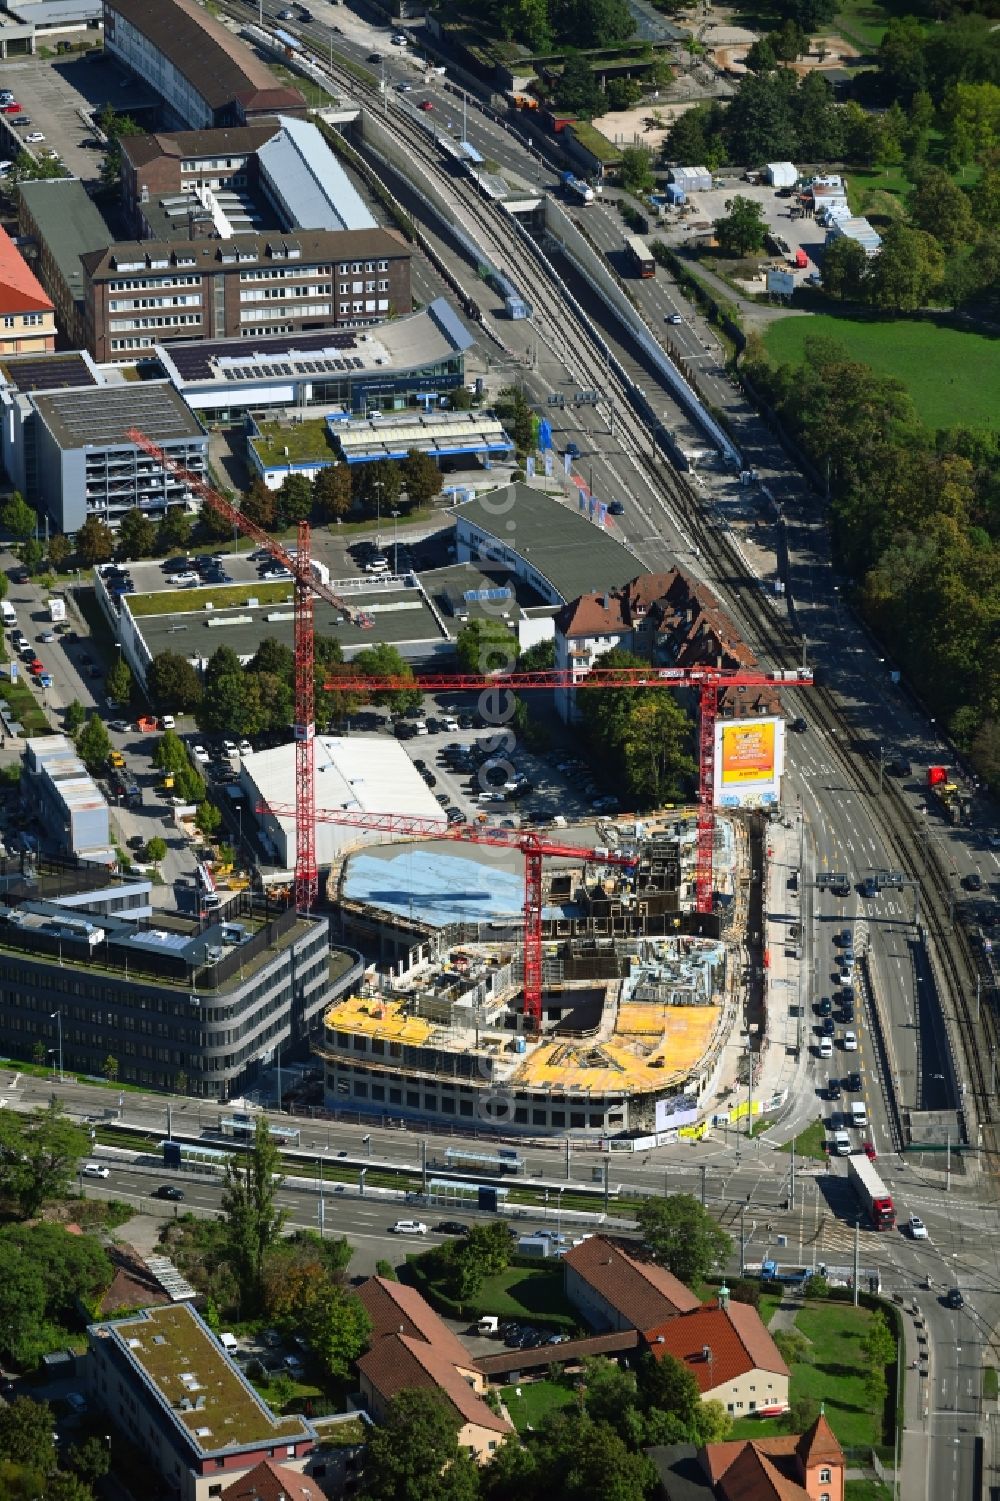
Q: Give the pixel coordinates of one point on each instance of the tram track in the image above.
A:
(516, 255)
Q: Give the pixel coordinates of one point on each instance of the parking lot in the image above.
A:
(798, 233)
(60, 95)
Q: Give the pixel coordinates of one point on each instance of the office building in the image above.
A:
(278, 174)
(61, 219)
(86, 465)
(162, 1378)
(146, 292)
(59, 789)
(203, 73)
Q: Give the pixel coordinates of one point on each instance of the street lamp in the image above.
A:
(56, 1016)
(366, 1142)
(395, 541)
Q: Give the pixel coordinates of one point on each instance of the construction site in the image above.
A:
(622, 1029)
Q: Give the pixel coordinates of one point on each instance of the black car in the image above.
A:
(953, 1298)
(168, 1191)
(973, 881)
(466, 722)
(452, 1227)
(833, 1090)
(615, 508)
(826, 1026)
(824, 1006)
(799, 726)
(900, 767)
(512, 1337)
(846, 1012)
(853, 1082)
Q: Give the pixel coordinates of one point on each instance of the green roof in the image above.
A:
(305, 441)
(591, 140)
(193, 1378)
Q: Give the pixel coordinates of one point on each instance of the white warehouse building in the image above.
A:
(355, 773)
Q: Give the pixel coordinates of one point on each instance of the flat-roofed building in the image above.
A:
(27, 314)
(86, 465)
(163, 1379)
(59, 788)
(145, 292)
(61, 218)
(203, 73)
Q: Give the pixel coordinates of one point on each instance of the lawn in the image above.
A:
(523, 1292)
(834, 1377)
(304, 441)
(536, 1400)
(809, 1143)
(866, 1490)
(226, 597)
(25, 708)
(953, 376)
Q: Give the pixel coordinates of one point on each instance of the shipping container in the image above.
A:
(639, 257)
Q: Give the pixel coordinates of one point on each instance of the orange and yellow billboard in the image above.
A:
(749, 756)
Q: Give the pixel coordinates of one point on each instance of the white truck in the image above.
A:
(57, 609)
(7, 612)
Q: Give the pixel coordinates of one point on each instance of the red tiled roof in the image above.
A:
(395, 1308)
(819, 1445)
(640, 1292)
(736, 1336)
(270, 1482)
(753, 1476)
(396, 1363)
(20, 289)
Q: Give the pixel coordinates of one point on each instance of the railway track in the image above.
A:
(522, 260)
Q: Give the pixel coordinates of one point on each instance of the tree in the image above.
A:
(136, 534)
(695, 137)
(32, 555)
(845, 267)
(273, 657)
(250, 1215)
(59, 551)
(528, 22)
(170, 753)
(95, 542)
(901, 66)
(208, 818)
(710, 1423)
(110, 1069)
(94, 745)
(17, 517)
(940, 207)
(816, 1286)
(878, 1342)
(383, 662)
(339, 1329)
(636, 171)
(649, 735)
(761, 57)
(907, 269)
(294, 499)
(577, 90)
(421, 477)
(743, 229)
(120, 682)
(538, 658)
(114, 127)
(486, 646)
(377, 486)
(89, 1459)
(260, 504)
(789, 42)
(173, 682)
(592, 23)
(810, 15)
(611, 1396)
(680, 1235)
(817, 118)
(514, 407)
(413, 1454)
(75, 717)
(801, 1415)
(760, 122)
(156, 849)
(862, 134)
(38, 1155)
(331, 491)
(669, 1385)
(174, 530)
(189, 786)
(622, 93)
(26, 1429)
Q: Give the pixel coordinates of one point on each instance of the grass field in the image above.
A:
(835, 1376)
(536, 1400)
(523, 1292)
(866, 1490)
(952, 376)
(809, 1143)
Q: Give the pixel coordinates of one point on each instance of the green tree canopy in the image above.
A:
(250, 1214)
(646, 735)
(26, 1429)
(636, 171)
(136, 534)
(174, 530)
(486, 646)
(682, 1236)
(170, 753)
(421, 477)
(59, 551)
(743, 228)
(95, 542)
(173, 683)
(939, 206)
(384, 661)
(413, 1454)
(94, 745)
(38, 1153)
(17, 517)
(120, 681)
(577, 90)
(331, 492)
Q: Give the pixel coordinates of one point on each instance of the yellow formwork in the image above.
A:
(375, 1017)
(680, 1035)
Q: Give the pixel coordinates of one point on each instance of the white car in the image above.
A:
(186, 580)
(96, 1170)
(918, 1230)
(168, 722)
(420, 727)
(200, 754)
(409, 1227)
(850, 1042)
(826, 1047)
(674, 318)
(34, 137)
(245, 748)
(229, 747)
(451, 726)
(5, 166)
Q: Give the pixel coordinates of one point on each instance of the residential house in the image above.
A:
(789, 1467)
(730, 1353)
(613, 1290)
(27, 314)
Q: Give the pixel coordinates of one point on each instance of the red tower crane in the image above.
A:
(707, 681)
(532, 846)
(305, 586)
